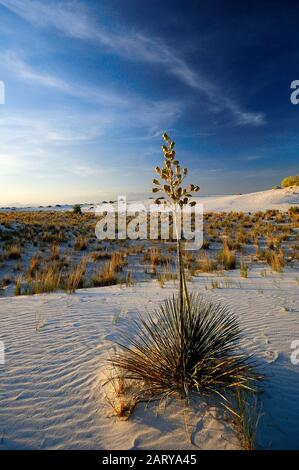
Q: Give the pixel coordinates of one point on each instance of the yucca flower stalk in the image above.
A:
(170, 183)
(189, 343)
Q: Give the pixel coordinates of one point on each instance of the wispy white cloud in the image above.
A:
(73, 20)
(29, 141)
(24, 71)
(115, 107)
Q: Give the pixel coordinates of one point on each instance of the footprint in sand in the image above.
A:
(270, 356)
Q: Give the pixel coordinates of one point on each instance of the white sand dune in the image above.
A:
(280, 199)
(51, 395)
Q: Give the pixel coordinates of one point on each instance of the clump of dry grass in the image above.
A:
(13, 252)
(76, 277)
(55, 252)
(129, 280)
(243, 270)
(227, 257)
(121, 394)
(18, 286)
(246, 417)
(107, 276)
(276, 260)
(49, 280)
(117, 261)
(155, 257)
(99, 255)
(80, 244)
(33, 267)
(206, 264)
(165, 277)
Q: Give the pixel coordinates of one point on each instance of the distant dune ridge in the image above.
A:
(281, 199)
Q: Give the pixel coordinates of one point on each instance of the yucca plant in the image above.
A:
(189, 343)
(169, 356)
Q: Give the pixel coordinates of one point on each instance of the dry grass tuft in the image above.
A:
(80, 244)
(121, 394)
(13, 252)
(107, 276)
(76, 277)
(206, 264)
(227, 257)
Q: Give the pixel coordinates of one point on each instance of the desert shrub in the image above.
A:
(293, 210)
(77, 209)
(290, 181)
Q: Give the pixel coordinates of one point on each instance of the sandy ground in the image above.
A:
(56, 344)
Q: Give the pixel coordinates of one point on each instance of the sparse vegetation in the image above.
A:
(36, 239)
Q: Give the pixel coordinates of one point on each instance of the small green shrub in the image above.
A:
(77, 209)
(290, 181)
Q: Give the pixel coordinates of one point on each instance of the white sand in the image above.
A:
(50, 390)
(280, 199)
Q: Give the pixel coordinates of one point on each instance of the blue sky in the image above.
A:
(90, 86)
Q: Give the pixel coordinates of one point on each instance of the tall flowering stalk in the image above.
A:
(191, 343)
(170, 183)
